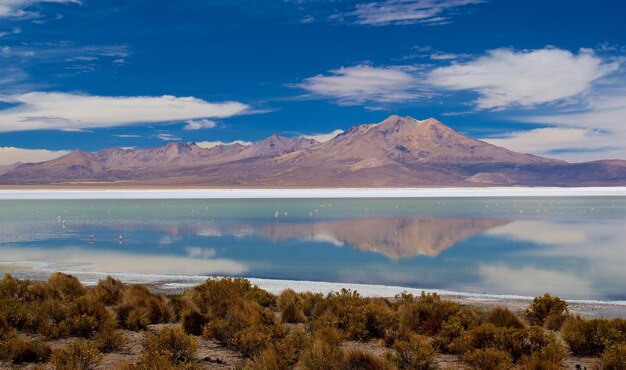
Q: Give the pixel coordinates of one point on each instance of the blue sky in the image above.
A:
(541, 77)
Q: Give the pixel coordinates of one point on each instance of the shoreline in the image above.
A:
(176, 284)
(85, 193)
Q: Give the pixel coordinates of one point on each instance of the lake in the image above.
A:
(574, 247)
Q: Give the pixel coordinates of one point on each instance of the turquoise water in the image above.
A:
(573, 247)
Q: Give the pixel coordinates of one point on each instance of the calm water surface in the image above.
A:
(573, 247)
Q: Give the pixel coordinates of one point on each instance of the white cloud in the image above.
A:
(40, 110)
(10, 155)
(198, 124)
(127, 136)
(211, 144)
(363, 83)
(570, 144)
(506, 77)
(17, 8)
(168, 137)
(398, 12)
(323, 137)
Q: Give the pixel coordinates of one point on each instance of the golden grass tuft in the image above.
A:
(359, 359)
(614, 357)
(139, 308)
(109, 291)
(67, 286)
(321, 355)
(290, 306)
(268, 359)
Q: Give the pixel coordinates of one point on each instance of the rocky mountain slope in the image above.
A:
(397, 152)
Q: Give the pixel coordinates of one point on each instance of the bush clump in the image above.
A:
(290, 306)
(488, 359)
(545, 308)
(18, 349)
(412, 352)
(171, 345)
(358, 359)
(592, 337)
(78, 355)
(321, 355)
(425, 314)
(614, 357)
(504, 318)
(356, 317)
(139, 308)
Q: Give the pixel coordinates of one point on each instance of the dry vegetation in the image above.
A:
(61, 324)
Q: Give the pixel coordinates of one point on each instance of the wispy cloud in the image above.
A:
(127, 135)
(505, 77)
(199, 124)
(19, 8)
(55, 111)
(363, 84)
(11, 155)
(168, 137)
(402, 12)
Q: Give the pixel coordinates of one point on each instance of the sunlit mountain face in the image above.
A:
(568, 246)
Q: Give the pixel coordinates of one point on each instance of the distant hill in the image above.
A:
(397, 152)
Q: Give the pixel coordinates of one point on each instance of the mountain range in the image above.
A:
(397, 152)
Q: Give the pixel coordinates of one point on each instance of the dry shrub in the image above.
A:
(545, 306)
(169, 344)
(86, 318)
(425, 314)
(214, 295)
(251, 340)
(452, 328)
(549, 358)
(180, 305)
(192, 322)
(518, 343)
(504, 318)
(592, 337)
(321, 355)
(359, 359)
(267, 359)
(310, 302)
(290, 347)
(614, 357)
(78, 355)
(412, 352)
(246, 326)
(139, 308)
(108, 291)
(356, 317)
(290, 306)
(67, 286)
(18, 349)
(488, 359)
(109, 340)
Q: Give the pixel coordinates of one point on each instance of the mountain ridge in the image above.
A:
(397, 152)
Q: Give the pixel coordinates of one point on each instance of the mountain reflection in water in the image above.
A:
(572, 247)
